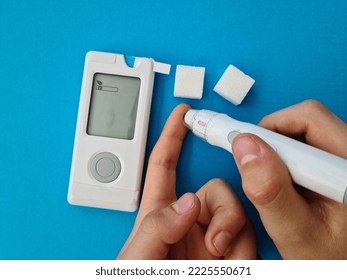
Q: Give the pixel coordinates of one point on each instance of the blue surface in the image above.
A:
(295, 50)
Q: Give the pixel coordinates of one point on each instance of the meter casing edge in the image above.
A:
(122, 193)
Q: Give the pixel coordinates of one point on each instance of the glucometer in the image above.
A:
(309, 167)
(111, 131)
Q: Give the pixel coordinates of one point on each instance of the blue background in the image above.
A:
(295, 50)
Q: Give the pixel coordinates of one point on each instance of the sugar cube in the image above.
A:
(234, 85)
(189, 81)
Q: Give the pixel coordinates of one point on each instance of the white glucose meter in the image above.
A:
(111, 132)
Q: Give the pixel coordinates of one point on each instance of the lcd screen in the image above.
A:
(113, 106)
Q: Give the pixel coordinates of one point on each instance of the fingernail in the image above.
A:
(184, 204)
(245, 150)
(221, 242)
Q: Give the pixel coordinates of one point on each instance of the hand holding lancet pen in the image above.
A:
(312, 168)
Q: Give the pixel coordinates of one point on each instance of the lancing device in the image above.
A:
(309, 167)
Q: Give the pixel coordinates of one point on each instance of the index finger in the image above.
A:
(313, 120)
(160, 184)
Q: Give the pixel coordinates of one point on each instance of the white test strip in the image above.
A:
(162, 68)
(158, 67)
(234, 85)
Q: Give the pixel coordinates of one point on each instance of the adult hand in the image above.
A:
(210, 224)
(302, 224)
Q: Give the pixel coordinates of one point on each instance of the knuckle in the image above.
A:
(230, 219)
(235, 215)
(216, 185)
(163, 162)
(218, 182)
(265, 120)
(312, 105)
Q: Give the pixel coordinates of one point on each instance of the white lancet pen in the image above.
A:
(312, 168)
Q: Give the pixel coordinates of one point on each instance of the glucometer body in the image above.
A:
(111, 132)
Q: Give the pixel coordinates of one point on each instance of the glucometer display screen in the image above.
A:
(113, 106)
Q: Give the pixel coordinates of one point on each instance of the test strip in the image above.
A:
(162, 68)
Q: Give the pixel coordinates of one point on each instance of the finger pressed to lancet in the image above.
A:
(160, 184)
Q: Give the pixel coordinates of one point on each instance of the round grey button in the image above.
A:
(105, 167)
(232, 135)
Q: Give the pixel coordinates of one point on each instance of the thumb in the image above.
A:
(268, 185)
(161, 228)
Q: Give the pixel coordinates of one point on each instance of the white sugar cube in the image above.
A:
(189, 81)
(234, 85)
